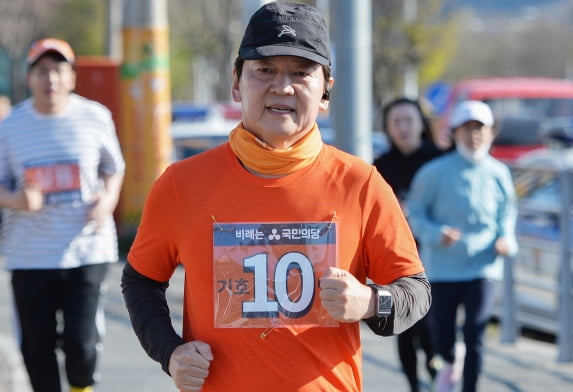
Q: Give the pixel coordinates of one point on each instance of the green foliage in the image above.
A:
(83, 25)
(181, 60)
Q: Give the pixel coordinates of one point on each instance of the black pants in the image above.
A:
(477, 298)
(39, 296)
(408, 342)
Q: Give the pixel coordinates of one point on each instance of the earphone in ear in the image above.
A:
(326, 94)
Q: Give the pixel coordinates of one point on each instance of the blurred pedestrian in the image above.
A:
(410, 137)
(61, 171)
(5, 107)
(462, 209)
(411, 146)
(277, 233)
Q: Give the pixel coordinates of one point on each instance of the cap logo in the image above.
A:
(287, 30)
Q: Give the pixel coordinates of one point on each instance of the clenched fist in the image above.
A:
(344, 297)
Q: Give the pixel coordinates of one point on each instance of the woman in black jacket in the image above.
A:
(410, 137)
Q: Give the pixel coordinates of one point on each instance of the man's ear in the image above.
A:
(324, 101)
(327, 88)
(74, 79)
(235, 90)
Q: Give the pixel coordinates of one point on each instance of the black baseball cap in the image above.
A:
(286, 29)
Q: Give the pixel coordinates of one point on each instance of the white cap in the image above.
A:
(471, 111)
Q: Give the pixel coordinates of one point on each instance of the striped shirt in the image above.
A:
(67, 154)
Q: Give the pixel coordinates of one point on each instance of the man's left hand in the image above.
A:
(344, 297)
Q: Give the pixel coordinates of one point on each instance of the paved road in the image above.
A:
(526, 366)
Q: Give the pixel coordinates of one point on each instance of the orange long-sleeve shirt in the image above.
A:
(195, 195)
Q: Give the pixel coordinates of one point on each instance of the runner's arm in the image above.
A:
(29, 198)
(149, 314)
(411, 300)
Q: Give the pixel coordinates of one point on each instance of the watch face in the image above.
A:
(385, 304)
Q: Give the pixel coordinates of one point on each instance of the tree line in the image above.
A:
(205, 34)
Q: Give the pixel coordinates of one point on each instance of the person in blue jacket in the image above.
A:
(462, 210)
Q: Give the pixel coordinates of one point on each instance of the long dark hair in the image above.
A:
(427, 129)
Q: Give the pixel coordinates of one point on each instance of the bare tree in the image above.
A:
(540, 46)
(209, 30)
(21, 22)
(427, 42)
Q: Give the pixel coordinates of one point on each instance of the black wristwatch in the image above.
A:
(383, 301)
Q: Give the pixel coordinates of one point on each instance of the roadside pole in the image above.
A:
(509, 327)
(565, 339)
(145, 105)
(352, 93)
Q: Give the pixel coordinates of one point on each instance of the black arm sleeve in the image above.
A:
(149, 314)
(411, 299)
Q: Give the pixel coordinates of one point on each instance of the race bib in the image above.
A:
(266, 274)
(58, 180)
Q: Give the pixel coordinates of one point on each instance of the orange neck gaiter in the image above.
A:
(259, 157)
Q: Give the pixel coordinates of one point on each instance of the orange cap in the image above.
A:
(43, 46)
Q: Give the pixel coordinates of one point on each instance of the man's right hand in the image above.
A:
(189, 365)
(450, 235)
(32, 198)
(29, 198)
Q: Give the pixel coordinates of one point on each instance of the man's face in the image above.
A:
(51, 82)
(281, 97)
(474, 135)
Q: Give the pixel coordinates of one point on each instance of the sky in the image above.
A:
(496, 6)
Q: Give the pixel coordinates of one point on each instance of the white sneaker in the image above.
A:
(444, 381)
(460, 357)
(450, 374)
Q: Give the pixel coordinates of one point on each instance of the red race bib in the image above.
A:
(59, 180)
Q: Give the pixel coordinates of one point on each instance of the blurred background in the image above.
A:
(520, 51)
(445, 40)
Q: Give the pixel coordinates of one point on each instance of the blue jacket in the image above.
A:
(477, 198)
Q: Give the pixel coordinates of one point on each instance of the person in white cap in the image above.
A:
(61, 171)
(463, 211)
(278, 233)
